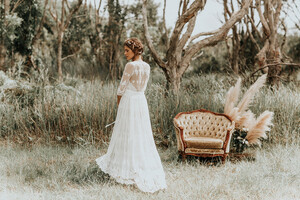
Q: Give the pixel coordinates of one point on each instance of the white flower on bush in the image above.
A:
(245, 129)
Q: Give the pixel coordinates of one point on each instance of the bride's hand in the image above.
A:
(119, 99)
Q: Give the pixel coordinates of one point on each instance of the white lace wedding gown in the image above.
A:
(132, 157)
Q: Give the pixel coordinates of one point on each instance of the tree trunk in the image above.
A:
(61, 25)
(173, 82)
(235, 40)
(2, 53)
(2, 46)
(173, 77)
(270, 53)
(59, 55)
(274, 72)
(235, 50)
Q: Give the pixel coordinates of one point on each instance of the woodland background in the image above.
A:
(61, 63)
(78, 39)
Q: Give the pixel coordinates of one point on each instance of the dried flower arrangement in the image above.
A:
(253, 129)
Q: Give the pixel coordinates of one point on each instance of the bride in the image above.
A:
(132, 157)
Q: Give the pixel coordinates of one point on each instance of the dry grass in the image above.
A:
(58, 172)
(78, 115)
(33, 170)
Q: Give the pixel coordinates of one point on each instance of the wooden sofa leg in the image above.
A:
(183, 156)
(224, 158)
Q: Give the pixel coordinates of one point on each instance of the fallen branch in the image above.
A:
(273, 65)
(68, 57)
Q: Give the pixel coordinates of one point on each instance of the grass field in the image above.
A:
(57, 172)
(51, 135)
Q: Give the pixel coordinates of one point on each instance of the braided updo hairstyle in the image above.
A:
(135, 45)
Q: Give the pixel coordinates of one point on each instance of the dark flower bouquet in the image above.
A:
(239, 141)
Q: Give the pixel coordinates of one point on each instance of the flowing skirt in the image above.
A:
(132, 157)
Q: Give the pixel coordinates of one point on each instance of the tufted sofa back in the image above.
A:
(203, 123)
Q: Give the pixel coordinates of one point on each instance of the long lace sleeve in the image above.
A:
(128, 71)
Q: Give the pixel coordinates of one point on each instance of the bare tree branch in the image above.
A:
(277, 13)
(180, 4)
(226, 10)
(184, 18)
(68, 6)
(19, 2)
(284, 35)
(274, 65)
(51, 13)
(251, 36)
(164, 24)
(74, 10)
(253, 26)
(68, 57)
(262, 18)
(202, 34)
(182, 42)
(184, 7)
(154, 53)
(39, 30)
(212, 40)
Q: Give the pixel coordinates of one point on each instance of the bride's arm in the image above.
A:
(128, 71)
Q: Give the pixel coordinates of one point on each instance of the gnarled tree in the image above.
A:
(270, 53)
(181, 47)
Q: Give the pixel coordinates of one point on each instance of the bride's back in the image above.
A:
(135, 77)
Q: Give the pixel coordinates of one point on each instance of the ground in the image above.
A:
(60, 172)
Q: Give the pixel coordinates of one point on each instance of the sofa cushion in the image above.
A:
(204, 143)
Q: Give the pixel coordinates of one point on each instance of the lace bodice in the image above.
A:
(135, 77)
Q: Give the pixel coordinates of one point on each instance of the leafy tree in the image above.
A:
(77, 32)
(62, 23)
(135, 27)
(113, 33)
(9, 22)
(30, 14)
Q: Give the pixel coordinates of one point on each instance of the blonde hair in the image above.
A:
(135, 45)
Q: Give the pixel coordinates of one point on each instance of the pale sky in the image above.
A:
(207, 20)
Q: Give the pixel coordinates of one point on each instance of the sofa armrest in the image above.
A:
(230, 130)
(179, 137)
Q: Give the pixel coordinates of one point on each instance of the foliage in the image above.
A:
(248, 52)
(125, 21)
(30, 13)
(113, 36)
(8, 28)
(76, 34)
(208, 64)
(211, 60)
(294, 50)
(135, 27)
(78, 114)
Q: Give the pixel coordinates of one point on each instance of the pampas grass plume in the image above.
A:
(246, 120)
(232, 97)
(262, 124)
(249, 95)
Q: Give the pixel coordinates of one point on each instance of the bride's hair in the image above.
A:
(135, 45)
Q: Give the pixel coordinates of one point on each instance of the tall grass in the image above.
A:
(78, 114)
(77, 111)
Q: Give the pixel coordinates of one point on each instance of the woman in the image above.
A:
(132, 157)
